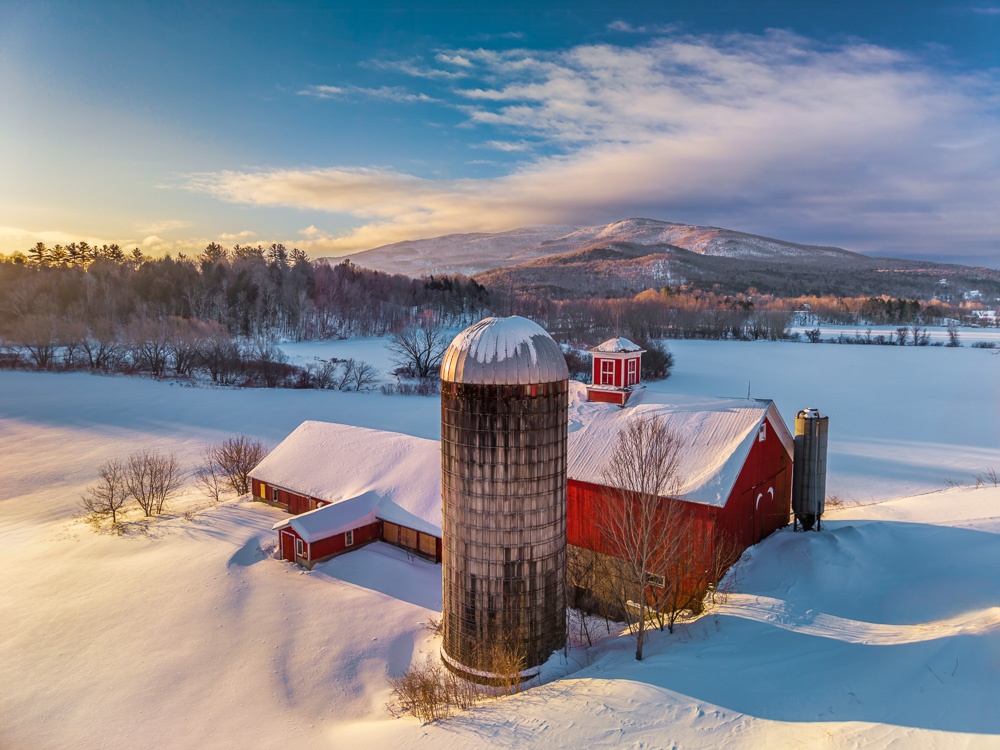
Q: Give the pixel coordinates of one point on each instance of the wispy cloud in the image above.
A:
(246, 234)
(521, 145)
(500, 36)
(853, 144)
(415, 68)
(387, 93)
(164, 225)
(624, 27)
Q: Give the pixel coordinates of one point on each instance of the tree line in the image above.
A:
(100, 308)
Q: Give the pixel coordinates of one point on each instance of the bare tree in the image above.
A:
(41, 335)
(109, 495)
(953, 339)
(364, 376)
(637, 526)
(102, 346)
(149, 344)
(221, 356)
(151, 479)
(210, 478)
(233, 459)
(343, 381)
(322, 373)
(419, 349)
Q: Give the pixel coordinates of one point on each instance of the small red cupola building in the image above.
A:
(616, 371)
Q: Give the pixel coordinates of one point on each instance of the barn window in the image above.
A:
(607, 372)
(762, 433)
(632, 379)
(349, 537)
(655, 579)
(300, 548)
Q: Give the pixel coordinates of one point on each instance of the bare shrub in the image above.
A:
(657, 362)
(505, 658)
(422, 692)
(579, 364)
(228, 464)
(109, 496)
(151, 479)
(430, 691)
(988, 477)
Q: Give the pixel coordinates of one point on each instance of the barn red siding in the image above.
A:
(336, 543)
(752, 512)
(608, 397)
(694, 524)
(759, 504)
(585, 502)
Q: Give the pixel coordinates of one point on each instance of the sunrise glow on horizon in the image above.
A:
(337, 129)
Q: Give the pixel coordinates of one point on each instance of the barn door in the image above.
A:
(287, 546)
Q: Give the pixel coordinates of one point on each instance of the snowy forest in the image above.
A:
(100, 308)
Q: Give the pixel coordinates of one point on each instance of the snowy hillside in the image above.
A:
(882, 631)
(471, 253)
(454, 253)
(697, 239)
(479, 251)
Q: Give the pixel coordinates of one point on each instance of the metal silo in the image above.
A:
(809, 473)
(504, 413)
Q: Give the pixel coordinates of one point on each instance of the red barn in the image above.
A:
(616, 371)
(735, 465)
(349, 486)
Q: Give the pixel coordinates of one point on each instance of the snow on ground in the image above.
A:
(879, 631)
(882, 631)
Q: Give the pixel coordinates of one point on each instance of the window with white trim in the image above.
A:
(632, 379)
(762, 433)
(349, 538)
(655, 579)
(300, 548)
(607, 372)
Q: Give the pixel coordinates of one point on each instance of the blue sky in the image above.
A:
(334, 127)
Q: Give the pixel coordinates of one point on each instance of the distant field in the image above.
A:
(967, 335)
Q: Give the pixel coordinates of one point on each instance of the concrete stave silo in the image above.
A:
(504, 413)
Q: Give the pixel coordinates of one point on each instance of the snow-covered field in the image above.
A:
(882, 631)
(967, 335)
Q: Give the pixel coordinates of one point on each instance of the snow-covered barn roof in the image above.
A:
(340, 463)
(718, 434)
(616, 346)
(328, 520)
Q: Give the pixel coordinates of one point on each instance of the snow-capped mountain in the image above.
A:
(480, 251)
(455, 253)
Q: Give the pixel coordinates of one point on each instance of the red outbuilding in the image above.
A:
(349, 486)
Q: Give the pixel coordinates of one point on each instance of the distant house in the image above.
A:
(349, 486)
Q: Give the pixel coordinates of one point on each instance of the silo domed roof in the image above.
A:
(504, 351)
